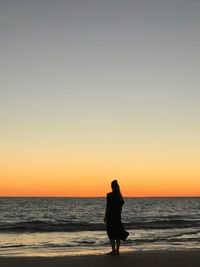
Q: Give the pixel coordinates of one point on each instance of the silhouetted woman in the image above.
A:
(114, 226)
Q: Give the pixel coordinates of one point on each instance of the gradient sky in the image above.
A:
(96, 90)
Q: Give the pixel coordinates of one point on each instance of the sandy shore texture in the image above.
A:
(190, 258)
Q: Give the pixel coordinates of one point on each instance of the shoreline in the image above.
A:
(150, 258)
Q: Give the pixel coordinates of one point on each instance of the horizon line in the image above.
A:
(178, 196)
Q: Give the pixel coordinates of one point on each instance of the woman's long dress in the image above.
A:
(115, 228)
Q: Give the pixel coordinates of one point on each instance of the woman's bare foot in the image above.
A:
(111, 253)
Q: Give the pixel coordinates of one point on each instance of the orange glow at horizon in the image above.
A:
(57, 172)
(94, 180)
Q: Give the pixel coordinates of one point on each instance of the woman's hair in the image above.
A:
(116, 188)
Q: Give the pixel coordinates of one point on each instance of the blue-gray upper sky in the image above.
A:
(100, 71)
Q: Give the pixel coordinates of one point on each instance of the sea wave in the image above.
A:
(46, 226)
(164, 224)
(43, 226)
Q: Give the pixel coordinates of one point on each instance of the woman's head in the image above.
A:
(115, 186)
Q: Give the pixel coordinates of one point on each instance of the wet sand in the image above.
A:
(187, 258)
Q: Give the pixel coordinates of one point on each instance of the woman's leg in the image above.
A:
(118, 245)
(112, 242)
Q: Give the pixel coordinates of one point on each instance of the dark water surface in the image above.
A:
(57, 226)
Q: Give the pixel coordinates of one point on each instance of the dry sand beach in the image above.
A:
(188, 258)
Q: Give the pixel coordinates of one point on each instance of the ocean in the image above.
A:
(71, 226)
